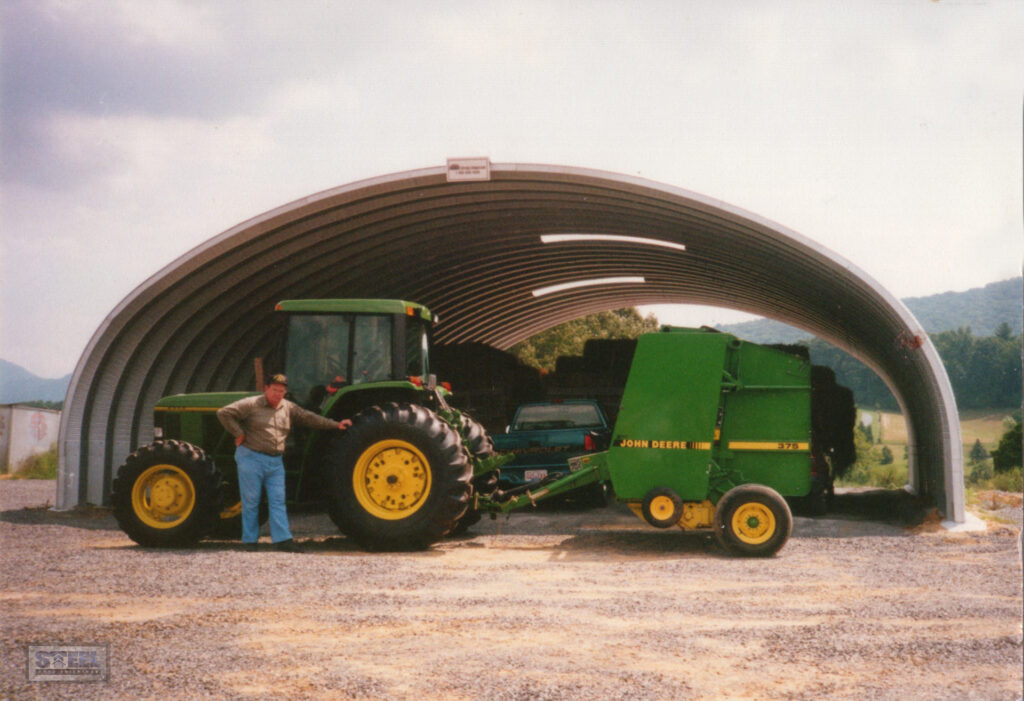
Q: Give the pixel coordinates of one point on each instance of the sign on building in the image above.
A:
(460, 169)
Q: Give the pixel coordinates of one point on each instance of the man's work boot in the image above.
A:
(288, 546)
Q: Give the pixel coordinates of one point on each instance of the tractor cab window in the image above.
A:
(417, 346)
(371, 352)
(317, 353)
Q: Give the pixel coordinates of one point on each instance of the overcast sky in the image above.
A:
(133, 131)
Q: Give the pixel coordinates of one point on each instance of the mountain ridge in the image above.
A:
(981, 309)
(20, 385)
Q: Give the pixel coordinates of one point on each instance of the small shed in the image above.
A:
(24, 432)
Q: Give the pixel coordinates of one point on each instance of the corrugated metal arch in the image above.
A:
(472, 252)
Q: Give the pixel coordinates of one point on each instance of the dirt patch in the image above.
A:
(570, 604)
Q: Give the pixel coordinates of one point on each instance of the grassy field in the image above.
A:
(985, 425)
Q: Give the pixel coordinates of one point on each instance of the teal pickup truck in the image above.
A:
(544, 435)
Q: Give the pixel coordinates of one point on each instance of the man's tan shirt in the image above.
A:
(266, 428)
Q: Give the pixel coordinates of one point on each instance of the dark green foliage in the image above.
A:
(980, 472)
(868, 389)
(978, 452)
(1008, 455)
(1009, 481)
(985, 372)
(544, 349)
(887, 456)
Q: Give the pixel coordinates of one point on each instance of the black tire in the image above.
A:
(399, 478)
(817, 502)
(478, 441)
(167, 494)
(752, 520)
(599, 495)
(466, 521)
(662, 507)
(479, 444)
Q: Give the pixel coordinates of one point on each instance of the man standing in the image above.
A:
(260, 426)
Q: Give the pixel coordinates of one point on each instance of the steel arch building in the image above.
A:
(498, 259)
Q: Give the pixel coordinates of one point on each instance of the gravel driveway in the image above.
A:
(547, 605)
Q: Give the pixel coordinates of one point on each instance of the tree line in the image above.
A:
(984, 371)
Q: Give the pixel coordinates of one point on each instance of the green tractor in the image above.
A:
(401, 477)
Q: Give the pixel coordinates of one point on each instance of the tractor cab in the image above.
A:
(334, 345)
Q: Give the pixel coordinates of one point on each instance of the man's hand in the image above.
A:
(344, 423)
(239, 440)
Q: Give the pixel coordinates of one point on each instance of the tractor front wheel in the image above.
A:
(400, 478)
(167, 494)
(752, 520)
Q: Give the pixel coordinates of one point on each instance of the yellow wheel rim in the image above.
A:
(662, 508)
(231, 511)
(163, 496)
(753, 523)
(391, 479)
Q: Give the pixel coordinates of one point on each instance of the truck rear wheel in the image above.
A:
(399, 476)
(167, 494)
(752, 520)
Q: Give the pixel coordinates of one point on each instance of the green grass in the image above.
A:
(985, 425)
(41, 466)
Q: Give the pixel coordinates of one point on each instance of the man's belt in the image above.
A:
(269, 455)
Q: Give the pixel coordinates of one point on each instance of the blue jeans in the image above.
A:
(257, 471)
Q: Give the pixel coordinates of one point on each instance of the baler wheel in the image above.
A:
(399, 478)
(662, 507)
(752, 520)
(167, 494)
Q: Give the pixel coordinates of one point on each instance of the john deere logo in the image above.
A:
(662, 445)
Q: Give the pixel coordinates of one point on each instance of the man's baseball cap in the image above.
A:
(278, 379)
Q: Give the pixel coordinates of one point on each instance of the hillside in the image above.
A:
(19, 385)
(981, 309)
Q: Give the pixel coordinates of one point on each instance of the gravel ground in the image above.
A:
(546, 605)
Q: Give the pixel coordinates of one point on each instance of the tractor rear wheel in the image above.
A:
(167, 494)
(399, 478)
(752, 520)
